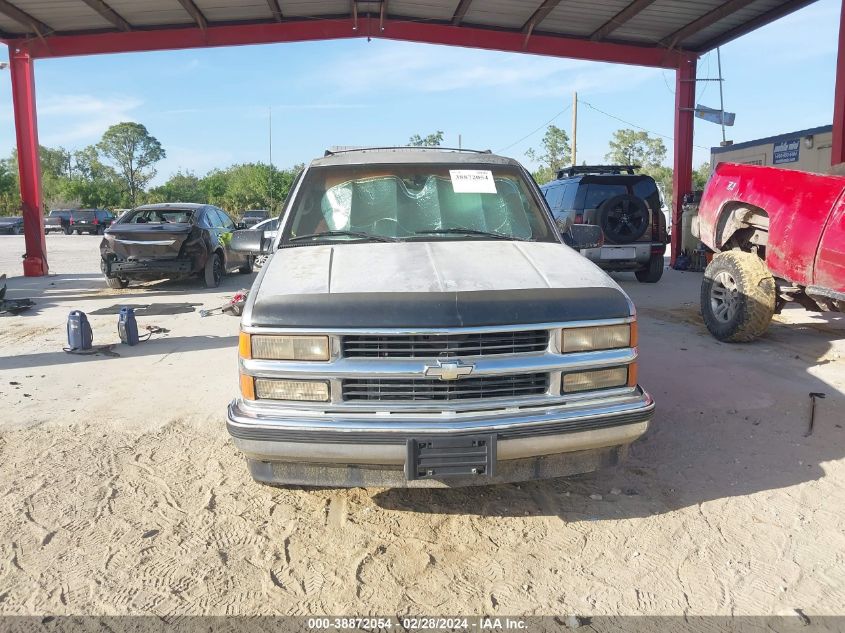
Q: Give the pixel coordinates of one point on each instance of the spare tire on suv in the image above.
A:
(623, 218)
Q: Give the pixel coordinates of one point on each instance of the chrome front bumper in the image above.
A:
(377, 441)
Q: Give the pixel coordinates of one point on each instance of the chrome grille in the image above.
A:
(427, 389)
(437, 345)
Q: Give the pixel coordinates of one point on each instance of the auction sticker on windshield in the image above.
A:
(472, 181)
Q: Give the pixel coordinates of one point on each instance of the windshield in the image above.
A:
(158, 216)
(415, 202)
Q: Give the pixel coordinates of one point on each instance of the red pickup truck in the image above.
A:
(779, 236)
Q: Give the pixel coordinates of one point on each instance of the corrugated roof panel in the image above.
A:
(64, 16)
(151, 12)
(501, 13)
(731, 22)
(581, 17)
(234, 10)
(434, 10)
(314, 8)
(663, 18)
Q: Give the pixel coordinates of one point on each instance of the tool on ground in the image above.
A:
(813, 396)
(79, 334)
(12, 306)
(127, 327)
(235, 305)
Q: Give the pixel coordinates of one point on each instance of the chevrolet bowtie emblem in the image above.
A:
(449, 370)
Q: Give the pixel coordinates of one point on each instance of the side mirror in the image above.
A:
(240, 226)
(248, 241)
(581, 236)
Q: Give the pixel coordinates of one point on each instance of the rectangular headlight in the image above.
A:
(270, 347)
(301, 390)
(596, 379)
(588, 339)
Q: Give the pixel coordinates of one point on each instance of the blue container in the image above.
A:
(79, 334)
(127, 326)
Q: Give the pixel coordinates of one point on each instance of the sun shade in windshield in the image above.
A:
(385, 205)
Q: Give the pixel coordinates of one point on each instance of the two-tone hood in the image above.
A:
(431, 284)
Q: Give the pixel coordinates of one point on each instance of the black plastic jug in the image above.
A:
(127, 326)
(79, 334)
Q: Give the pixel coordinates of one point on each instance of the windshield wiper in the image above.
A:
(358, 234)
(463, 231)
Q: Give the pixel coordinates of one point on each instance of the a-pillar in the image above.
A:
(837, 152)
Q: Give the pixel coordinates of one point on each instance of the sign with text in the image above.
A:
(472, 181)
(786, 151)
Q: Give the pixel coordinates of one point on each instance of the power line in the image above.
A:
(639, 127)
(532, 133)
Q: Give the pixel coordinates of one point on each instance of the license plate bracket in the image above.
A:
(435, 457)
(618, 252)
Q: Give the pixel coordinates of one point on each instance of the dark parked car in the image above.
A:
(58, 220)
(627, 207)
(11, 226)
(253, 217)
(93, 221)
(170, 241)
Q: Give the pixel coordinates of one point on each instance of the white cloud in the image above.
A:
(81, 118)
(398, 66)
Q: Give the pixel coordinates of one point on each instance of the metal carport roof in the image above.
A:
(688, 25)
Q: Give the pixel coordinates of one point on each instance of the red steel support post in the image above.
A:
(837, 153)
(684, 120)
(29, 167)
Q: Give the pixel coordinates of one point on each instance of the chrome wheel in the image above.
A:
(724, 297)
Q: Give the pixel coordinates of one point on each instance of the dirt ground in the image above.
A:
(121, 493)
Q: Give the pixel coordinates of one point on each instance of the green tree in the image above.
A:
(555, 154)
(432, 140)
(10, 199)
(180, 187)
(633, 147)
(134, 152)
(700, 176)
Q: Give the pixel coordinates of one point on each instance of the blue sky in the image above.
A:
(209, 108)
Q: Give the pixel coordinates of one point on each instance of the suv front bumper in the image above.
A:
(357, 450)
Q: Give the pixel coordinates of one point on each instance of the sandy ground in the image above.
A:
(121, 493)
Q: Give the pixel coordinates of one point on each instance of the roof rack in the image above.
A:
(410, 148)
(574, 170)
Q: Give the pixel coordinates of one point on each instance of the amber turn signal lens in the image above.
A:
(632, 375)
(245, 346)
(247, 387)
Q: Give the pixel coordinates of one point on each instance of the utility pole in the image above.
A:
(574, 127)
(270, 140)
(459, 142)
(721, 97)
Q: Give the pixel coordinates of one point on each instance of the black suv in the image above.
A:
(627, 207)
(93, 221)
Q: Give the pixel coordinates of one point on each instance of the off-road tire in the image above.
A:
(116, 282)
(653, 273)
(213, 272)
(68, 230)
(246, 268)
(744, 312)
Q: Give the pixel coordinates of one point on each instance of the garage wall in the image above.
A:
(804, 150)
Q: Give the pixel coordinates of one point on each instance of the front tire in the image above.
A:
(653, 273)
(68, 230)
(738, 296)
(116, 282)
(246, 268)
(213, 272)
